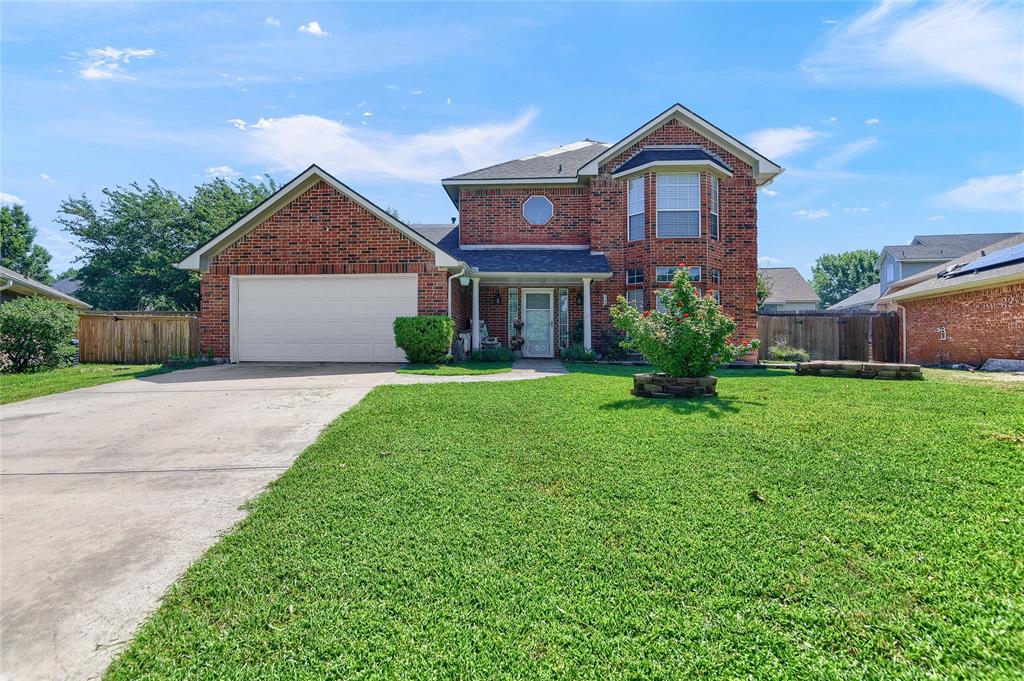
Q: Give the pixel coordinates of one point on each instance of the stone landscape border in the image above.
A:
(663, 385)
(884, 370)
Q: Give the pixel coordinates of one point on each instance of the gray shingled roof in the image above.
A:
(945, 246)
(545, 165)
(677, 154)
(68, 286)
(788, 286)
(865, 297)
(27, 285)
(933, 284)
(550, 260)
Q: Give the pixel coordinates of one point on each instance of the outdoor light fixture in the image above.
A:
(579, 298)
(497, 299)
(464, 281)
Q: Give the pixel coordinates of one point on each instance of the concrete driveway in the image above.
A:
(108, 494)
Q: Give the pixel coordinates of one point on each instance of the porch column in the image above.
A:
(476, 313)
(586, 314)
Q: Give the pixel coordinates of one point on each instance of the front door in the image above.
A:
(538, 323)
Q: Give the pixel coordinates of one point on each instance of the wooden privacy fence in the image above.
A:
(136, 338)
(863, 336)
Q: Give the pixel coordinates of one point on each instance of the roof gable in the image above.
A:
(765, 170)
(199, 259)
(788, 286)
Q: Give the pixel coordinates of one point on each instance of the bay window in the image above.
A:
(678, 203)
(635, 211)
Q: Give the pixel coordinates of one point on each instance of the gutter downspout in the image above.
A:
(457, 274)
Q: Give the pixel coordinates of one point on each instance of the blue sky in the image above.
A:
(891, 120)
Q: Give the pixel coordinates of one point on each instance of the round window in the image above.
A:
(538, 210)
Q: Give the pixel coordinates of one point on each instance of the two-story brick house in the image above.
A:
(318, 273)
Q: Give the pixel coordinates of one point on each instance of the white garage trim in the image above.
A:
(403, 302)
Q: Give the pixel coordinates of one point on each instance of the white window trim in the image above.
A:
(550, 205)
(717, 233)
(659, 211)
(632, 301)
(629, 208)
(637, 282)
(673, 268)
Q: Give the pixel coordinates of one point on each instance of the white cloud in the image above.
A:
(846, 153)
(979, 44)
(857, 210)
(46, 178)
(872, 121)
(313, 28)
(995, 192)
(271, 21)
(449, 101)
(238, 123)
(416, 92)
(936, 218)
(106, 63)
(10, 198)
(768, 261)
(367, 114)
(779, 142)
(832, 119)
(292, 143)
(804, 214)
(830, 21)
(227, 172)
(769, 192)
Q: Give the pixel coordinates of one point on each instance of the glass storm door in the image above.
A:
(538, 324)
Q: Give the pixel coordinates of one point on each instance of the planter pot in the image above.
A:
(663, 385)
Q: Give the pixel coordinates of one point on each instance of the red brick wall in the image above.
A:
(319, 232)
(979, 324)
(495, 216)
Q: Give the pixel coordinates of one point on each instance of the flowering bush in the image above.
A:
(690, 339)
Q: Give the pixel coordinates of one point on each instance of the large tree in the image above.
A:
(835, 276)
(134, 239)
(17, 250)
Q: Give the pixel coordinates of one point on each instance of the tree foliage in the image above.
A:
(836, 276)
(17, 250)
(132, 241)
(691, 338)
(36, 333)
(764, 289)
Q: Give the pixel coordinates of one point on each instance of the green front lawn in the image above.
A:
(17, 387)
(463, 369)
(794, 527)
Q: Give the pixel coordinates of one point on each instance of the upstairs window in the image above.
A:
(716, 275)
(678, 199)
(538, 210)
(636, 208)
(634, 276)
(713, 226)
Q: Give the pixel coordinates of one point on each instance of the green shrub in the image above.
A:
(425, 339)
(578, 353)
(492, 355)
(690, 339)
(612, 341)
(36, 333)
(787, 353)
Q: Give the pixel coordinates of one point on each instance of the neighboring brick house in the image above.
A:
(790, 291)
(317, 272)
(967, 310)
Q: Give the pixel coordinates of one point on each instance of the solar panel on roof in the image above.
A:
(1005, 256)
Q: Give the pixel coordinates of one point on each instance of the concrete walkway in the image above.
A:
(108, 494)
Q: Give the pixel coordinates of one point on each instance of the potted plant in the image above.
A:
(685, 343)
(515, 343)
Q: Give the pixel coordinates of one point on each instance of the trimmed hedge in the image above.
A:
(36, 333)
(425, 339)
(577, 352)
(492, 355)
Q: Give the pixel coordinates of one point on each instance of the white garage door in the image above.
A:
(336, 318)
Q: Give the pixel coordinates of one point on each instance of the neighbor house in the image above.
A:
(967, 310)
(318, 272)
(790, 291)
(14, 285)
